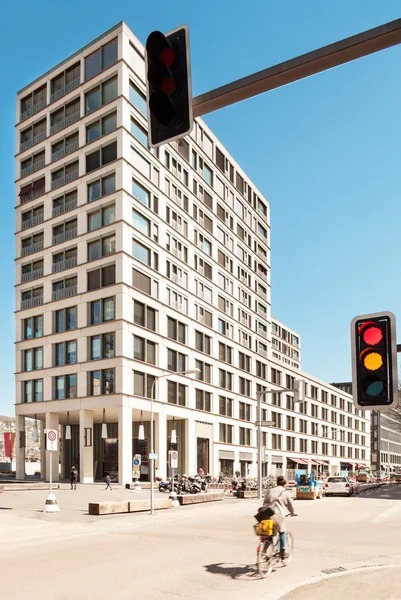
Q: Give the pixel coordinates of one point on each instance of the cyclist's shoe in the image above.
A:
(284, 554)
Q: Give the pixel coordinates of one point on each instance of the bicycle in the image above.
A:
(268, 550)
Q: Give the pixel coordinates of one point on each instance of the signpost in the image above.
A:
(136, 471)
(51, 446)
(173, 455)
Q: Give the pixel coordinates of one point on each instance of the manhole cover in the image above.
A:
(333, 570)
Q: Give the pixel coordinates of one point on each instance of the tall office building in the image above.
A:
(133, 264)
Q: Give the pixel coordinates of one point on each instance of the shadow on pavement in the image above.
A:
(5, 508)
(232, 571)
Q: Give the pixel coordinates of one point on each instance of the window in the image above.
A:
(276, 376)
(290, 403)
(33, 103)
(244, 338)
(143, 383)
(32, 217)
(142, 282)
(102, 346)
(303, 445)
(145, 316)
(102, 311)
(176, 393)
(101, 127)
(225, 406)
(101, 157)
(101, 247)
(65, 386)
(176, 361)
(177, 274)
(244, 436)
(203, 267)
(32, 359)
(276, 441)
(65, 353)
(226, 433)
(101, 187)
(139, 133)
(203, 342)
(102, 217)
(226, 353)
(205, 373)
(64, 288)
(261, 369)
(65, 82)
(64, 231)
(290, 444)
(203, 243)
(101, 277)
(226, 379)
(32, 244)
(225, 328)
(33, 134)
(137, 98)
(207, 174)
(144, 350)
(32, 327)
(203, 400)
(244, 362)
(174, 219)
(101, 382)
(225, 305)
(244, 386)
(101, 59)
(65, 115)
(32, 391)
(244, 411)
(314, 392)
(225, 261)
(314, 410)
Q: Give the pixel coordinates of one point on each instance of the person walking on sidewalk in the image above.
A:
(73, 478)
(108, 482)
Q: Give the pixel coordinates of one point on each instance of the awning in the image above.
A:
(277, 459)
(246, 456)
(300, 461)
(227, 454)
(314, 462)
(25, 190)
(38, 183)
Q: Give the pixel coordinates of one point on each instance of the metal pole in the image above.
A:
(259, 417)
(319, 60)
(51, 470)
(388, 456)
(152, 460)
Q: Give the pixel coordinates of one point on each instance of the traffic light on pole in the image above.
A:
(299, 390)
(169, 90)
(374, 361)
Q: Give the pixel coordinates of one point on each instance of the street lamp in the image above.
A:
(259, 423)
(151, 454)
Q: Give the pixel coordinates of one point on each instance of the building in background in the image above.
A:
(133, 264)
(286, 344)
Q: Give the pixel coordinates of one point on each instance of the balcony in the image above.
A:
(35, 274)
(32, 111)
(60, 210)
(36, 220)
(262, 256)
(64, 123)
(65, 293)
(33, 194)
(262, 237)
(65, 90)
(177, 226)
(32, 168)
(176, 252)
(262, 333)
(64, 237)
(35, 140)
(177, 279)
(65, 151)
(263, 353)
(36, 247)
(177, 306)
(244, 321)
(262, 313)
(31, 302)
(63, 265)
(177, 200)
(67, 178)
(262, 275)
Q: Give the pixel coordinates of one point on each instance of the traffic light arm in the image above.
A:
(333, 55)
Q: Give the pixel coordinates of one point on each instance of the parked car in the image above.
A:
(337, 486)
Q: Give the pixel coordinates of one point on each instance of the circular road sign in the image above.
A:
(52, 436)
(136, 462)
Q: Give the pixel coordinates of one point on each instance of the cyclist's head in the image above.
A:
(281, 481)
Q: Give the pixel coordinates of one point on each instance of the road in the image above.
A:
(204, 551)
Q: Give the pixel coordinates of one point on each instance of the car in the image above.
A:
(339, 486)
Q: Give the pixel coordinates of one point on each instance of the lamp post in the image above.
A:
(151, 454)
(259, 423)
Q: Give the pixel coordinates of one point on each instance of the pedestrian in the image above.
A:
(201, 472)
(237, 474)
(73, 478)
(221, 477)
(108, 482)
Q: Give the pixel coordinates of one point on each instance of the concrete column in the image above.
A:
(85, 452)
(20, 452)
(124, 445)
(190, 447)
(52, 422)
(161, 444)
(41, 428)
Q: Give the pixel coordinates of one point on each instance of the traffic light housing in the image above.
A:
(299, 390)
(374, 361)
(169, 90)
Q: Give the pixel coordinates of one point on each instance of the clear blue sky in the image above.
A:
(325, 151)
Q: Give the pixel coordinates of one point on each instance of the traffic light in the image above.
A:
(299, 390)
(169, 91)
(374, 361)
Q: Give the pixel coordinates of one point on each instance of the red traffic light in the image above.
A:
(158, 48)
(372, 333)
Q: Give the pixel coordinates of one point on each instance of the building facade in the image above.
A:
(286, 344)
(132, 264)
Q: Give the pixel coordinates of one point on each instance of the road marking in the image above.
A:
(386, 515)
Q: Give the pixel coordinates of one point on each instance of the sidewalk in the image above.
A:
(374, 584)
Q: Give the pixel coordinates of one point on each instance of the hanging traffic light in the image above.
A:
(374, 361)
(169, 91)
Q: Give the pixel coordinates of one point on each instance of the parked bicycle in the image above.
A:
(268, 552)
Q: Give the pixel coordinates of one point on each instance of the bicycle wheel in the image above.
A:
(289, 549)
(265, 555)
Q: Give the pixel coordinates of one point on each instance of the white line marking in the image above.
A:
(386, 515)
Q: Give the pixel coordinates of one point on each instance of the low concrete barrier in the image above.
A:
(110, 508)
(185, 499)
(246, 494)
(1, 488)
(145, 485)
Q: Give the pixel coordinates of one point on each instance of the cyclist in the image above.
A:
(278, 502)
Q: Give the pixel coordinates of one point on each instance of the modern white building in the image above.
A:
(132, 264)
(286, 344)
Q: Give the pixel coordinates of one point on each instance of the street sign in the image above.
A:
(137, 460)
(136, 466)
(52, 440)
(152, 456)
(173, 459)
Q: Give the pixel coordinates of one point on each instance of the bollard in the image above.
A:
(51, 505)
(173, 498)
